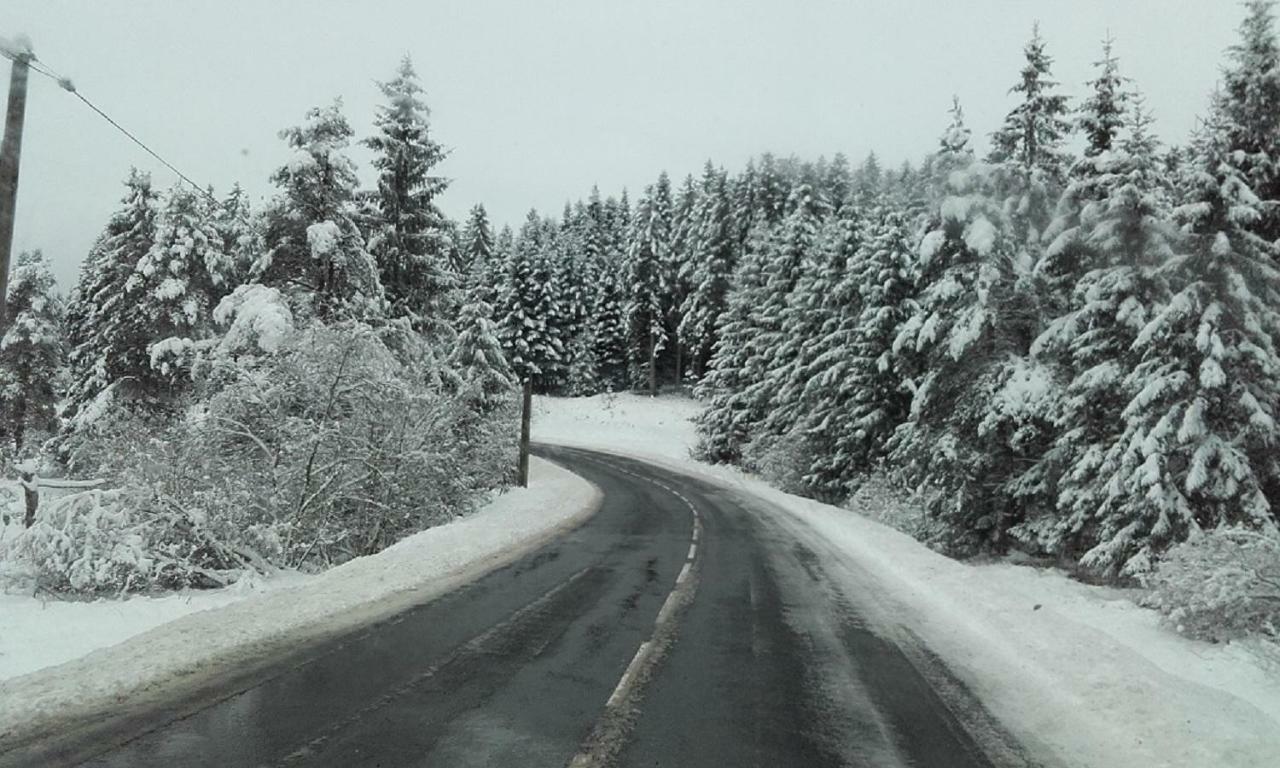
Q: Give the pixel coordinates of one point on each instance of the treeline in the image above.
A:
(1071, 354)
(291, 386)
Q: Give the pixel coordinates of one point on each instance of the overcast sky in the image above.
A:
(537, 101)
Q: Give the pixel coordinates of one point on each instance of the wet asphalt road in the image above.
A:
(759, 658)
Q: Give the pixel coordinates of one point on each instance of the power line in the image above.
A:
(68, 86)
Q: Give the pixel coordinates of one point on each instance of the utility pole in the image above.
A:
(525, 418)
(10, 153)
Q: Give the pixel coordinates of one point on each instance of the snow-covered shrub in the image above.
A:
(783, 460)
(116, 541)
(342, 447)
(1221, 584)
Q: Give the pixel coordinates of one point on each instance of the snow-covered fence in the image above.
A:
(31, 485)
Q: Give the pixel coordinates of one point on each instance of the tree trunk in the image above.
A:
(653, 367)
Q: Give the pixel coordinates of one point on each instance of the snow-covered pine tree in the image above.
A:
(1029, 148)
(478, 358)
(241, 233)
(837, 182)
(771, 193)
(1199, 447)
(315, 251)
(868, 182)
(610, 333)
(799, 274)
(107, 329)
(676, 287)
(1249, 102)
(725, 425)
(527, 300)
(961, 345)
(408, 241)
(479, 253)
(31, 352)
(708, 269)
(821, 305)
(180, 279)
(1066, 258)
(1090, 347)
(742, 206)
(852, 383)
(645, 305)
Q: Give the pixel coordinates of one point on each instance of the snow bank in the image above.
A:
(1074, 671)
(130, 650)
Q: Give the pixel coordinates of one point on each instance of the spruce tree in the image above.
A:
(646, 305)
(1067, 258)
(725, 425)
(1091, 345)
(409, 241)
(1034, 131)
(961, 349)
(851, 381)
(108, 331)
(31, 352)
(1198, 449)
(479, 255)
(527, 301)
(181, 278)
(708, 270)
(478, 358)
(1248, 102)
(1029, 150)
(316, 253)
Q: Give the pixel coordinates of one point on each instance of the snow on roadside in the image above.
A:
(1076, 670)
(112, 652)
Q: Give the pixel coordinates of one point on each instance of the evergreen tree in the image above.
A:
(240, 233)
(611, 334)
(527, 301)
(108, 332)
(645, 308)
(1091, 346)
(1029, 150)
(1198, 450)
(409, 241)
(725, 425)
(675, 274)
(961, 347)
(1034, 131)
(477, 357)
(1067, 258)
(31, 351)
(851, 382)
(316, 252)
(1248, 104)
(1101, 116)
(708, 269)
(181, 278)
(479, 255)
(798, 277)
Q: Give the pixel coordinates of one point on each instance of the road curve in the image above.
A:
(679, 626)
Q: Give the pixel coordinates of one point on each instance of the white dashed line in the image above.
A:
(591, 755)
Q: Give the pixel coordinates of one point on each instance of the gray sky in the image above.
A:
(539, 100)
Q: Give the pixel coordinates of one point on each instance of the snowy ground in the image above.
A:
(61, 659)
(1079, 672)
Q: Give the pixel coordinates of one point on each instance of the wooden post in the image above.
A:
(525, 418)
(31, 494)
(10, 153)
